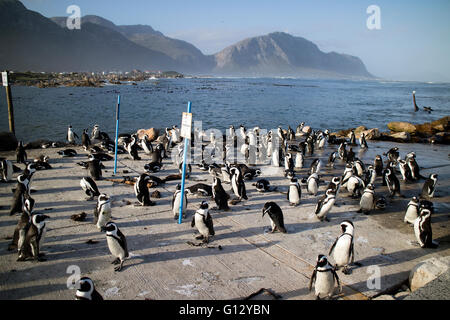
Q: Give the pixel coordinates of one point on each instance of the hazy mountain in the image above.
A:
(278, 54)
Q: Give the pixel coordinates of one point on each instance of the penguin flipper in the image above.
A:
(352, 252)
(332, 247)
(123, 242)
(337, 279)
(193, 221)
(313, 280)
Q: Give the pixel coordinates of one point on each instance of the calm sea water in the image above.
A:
(219, 102)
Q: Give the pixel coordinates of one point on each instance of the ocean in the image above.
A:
(219, 102)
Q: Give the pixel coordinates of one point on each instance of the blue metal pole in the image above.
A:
(183, 176)
(117, 133)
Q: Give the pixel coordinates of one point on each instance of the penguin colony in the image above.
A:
(292, 152)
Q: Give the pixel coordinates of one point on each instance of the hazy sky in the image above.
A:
(412, 44)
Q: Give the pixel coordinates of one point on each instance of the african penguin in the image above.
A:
(392, 182)
(200, 189)
(7, 170)
(324, 205)
(362, 141)
(141, 190)
(275, 215)
(102, 211)
(34, 238)
(176, 202)
(294, 193)
(412, 211)
(219, 195)
(342, 248)
(204, 223)
(71, 135)
(21, 154)
(367, 201)
(237, 183)
(21, 191)
(299, 160)
(429, 187)
(22, 225)
(117, 244)
(323, 278)
(422, 228)
(315, 166)
(67, 153)
(86, 290)
(378, 164)
(90, 187)
(85, 140)
(312, 184)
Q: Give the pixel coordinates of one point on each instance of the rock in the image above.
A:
(371, 134)
(441, 137)
(401, 136)
(424, 129)
(399, 126)
(401, 295)
(8, 141)
(359, 130)
(442, 124)
(384, 297)
(306, 129)
(343, 133)
(427, 271)
(152, 133)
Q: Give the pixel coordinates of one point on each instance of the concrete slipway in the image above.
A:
(164, 266)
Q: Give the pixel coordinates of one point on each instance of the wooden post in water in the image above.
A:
(9, 101)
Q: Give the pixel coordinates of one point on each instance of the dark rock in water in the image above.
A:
(8, 141)
(440, 138)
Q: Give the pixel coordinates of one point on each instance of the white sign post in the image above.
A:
(5, 78)
(186, 124)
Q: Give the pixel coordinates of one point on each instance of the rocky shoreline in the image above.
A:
(436, 132)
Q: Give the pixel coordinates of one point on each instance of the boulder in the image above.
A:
(307, 129)
(441, 137)
(424, 129)
(359, 130)
(8, 141)
(399, 126)
(342, 133)
(384, 297)
(371, 134)
(401, 136)
(152, 133)
(427, 271)
(442, 124)
(401, 295)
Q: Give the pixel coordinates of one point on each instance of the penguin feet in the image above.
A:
(119, 267)
(40, 259)
(346, 270)
(359, 211)
(116, 261)
(200, 237)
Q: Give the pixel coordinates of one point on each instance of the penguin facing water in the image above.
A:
(422, 226)
(429, 187)
(276, 216)
(71, 135)
(323, 278)
(219, 195)
(21, 155)
(85, 140)
(343, 248)
(117, 244)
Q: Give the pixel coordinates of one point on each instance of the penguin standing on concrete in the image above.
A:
(22, 225)
(275, 215)
(299, 161)
(34, 238)
(176, 201)
(412, 211)
(7, 170)
(342, 248)
(90, 187)
(21, 191)
(102, 212)
(86, 291)
(95, 168)
(141, 190)
(71, 135)
(323, 278)
(393, 155)
(378, 164)
(294, 193)
(324, 205)
(85, 140)
(21, 155)
(315, 166)
(237, 183)
(405, 171)
(352, 138)
(219, 195)
(204, 223)
(117, 244)
(392, 182)
(312, 184)
(367, 201)
(429, 187)
(335, 185)
(332, 159)
(132, 147)
(422, 226)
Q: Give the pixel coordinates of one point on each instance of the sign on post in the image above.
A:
(186, 125)
(5, 78)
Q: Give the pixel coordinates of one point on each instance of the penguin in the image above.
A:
(362, 141)
(352, 138)
(132, 148)
(355, 185)
(141, 190)
(201, 189)
(332, 159)
(102, 211)
(288, 162)
(156, 155)
(367, 201)
(146, 145)
(323, 278)
(34, 238)
(95, 169)
(275, 215)
(414, 167)
(393, 155)
(343, 248)
(117, 244)
(324, 205)
(348, 172)
(315, 166)
(299, 161)
(412, 211)
(71, 135)
(100, 156)
(153, 167)
(41, 162)
(7, 170)
(86, 290)
(360, 168)
(321, 141)
(237, 183)
(294, 193)
(342, 151)
(422, 228)
(219, 195)
(392, 183)
(299, 128)
(21, 191)
(335, 185)
(263, 185)
(22, 226)
(290, 134)
(90, 187)
(214, 170)
(232, 133)
(405, 170)
(21, 154)
(204, 223)
(176, 201)
(85, 140)
(250, 173)
(313, 184)
(310, 145)
(350, 155)
(378, 164)
(429, 187)
(370, 175)
(226, 176)
(380, 202)
(67, 153)
(275, 157)
(95, 132)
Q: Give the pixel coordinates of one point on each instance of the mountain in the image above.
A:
(281, 54)
(188, 57)
(34, 42)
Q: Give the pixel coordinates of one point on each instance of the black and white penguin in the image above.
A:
(324, 205)
(342, 151)
(332, 159)
(276, 216)
(102, 211)
(422, 228)
(90, 187)
(156, 155)
(352, 138)
(350, 155)
(141, 190)
(204, 223)
(348, 172)
(367, 201)
(86, 290)
(100, 156)
(226, 175)
(263, 185)
(34, 238)
(429, 187)
(288, 162)
(310, 145)
(335, 185)
(42, 162)
(85, 140)
(153, 167)
(219, 195)
(355, 186)
(117, 244)
(71, 135)
(146, 145)
(200, 189)
(22, 226)
(393, 155)
(132, 148)
(412, 211)
(21, 154)
(378, 165)
(294, 193)
(323, 278)
(7, 170)
(299, 161)
(362, 141)
(67, 153)
(405, 170)
(392, 182)
(95, 169)
(342, 248)
(237, 183)
(176, 201)
(415, 169)
(359, 167)
(312, 184)
(21, 191)
(315, 166)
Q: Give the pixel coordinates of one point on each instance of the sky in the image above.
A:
(413, 42)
